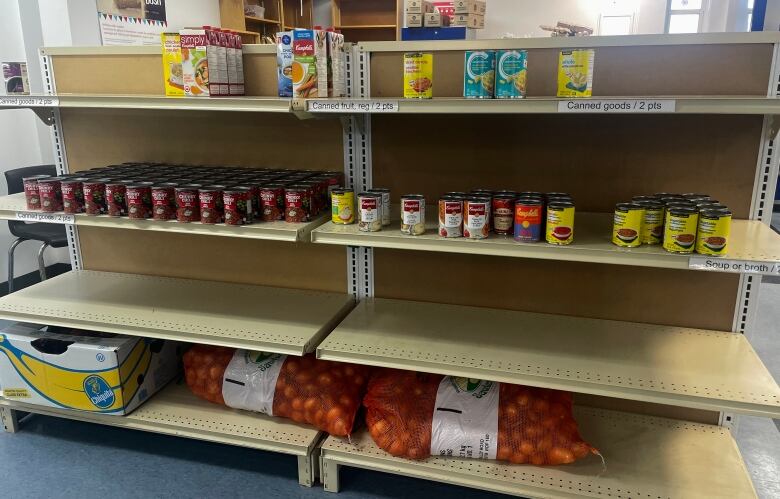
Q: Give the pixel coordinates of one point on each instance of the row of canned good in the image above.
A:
(682, 223)
(526, 216)
(210, 195)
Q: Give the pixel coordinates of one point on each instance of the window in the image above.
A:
(684, 16)
(616, 25)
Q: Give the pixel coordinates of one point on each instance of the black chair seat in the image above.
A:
(52, 234)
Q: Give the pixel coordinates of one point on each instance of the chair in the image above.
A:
(49, 234)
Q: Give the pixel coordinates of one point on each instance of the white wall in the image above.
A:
(772, 19)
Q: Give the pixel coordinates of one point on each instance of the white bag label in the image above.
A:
(465, 419)
(250, 380)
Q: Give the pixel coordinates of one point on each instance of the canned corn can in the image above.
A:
(627, 225)
(476, 213)
(680, 229)
(369, 212)
(713, 232)
(560, 223)
(385, 192)
(343, 206)
(450, 217)
(413, 214)
(528, 219)
(653, 227)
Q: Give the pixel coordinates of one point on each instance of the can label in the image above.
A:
(627, 228)
(680, 232)
(51, 196)
(116, 205)
(73, 197)
(418, 75)
(512, 70)
(450, 218)
(238, 207)
(560, 225)
(476, 219)
(413, 216)
(32, 195)
(343, 208)
(272, 201)
(187, 209)
(139, 202)
(295, 206)
(528, 222)
(370, 213)
(479, 80)
(163, 203)
(385, 207)
(94, 198)
(503, 215)
(211, 207)
(653, 226)
(713, 235)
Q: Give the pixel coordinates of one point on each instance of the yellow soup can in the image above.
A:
(418, 75)
(680, 229)
(714, 230)
(653, 226)
(342, 206)
(560, 223)
(627, 225)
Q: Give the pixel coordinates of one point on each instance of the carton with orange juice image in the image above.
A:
(310, 64)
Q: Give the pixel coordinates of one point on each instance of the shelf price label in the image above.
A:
(637, 106)
(733, 266)
(352, 106)
(28, 101)
(48, 218)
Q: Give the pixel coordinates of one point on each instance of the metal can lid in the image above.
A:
(528, 201)
(637, 199)
(452, 198)
(342, 190)
(456, 193)
(478, 198)
(504, 196)
(165, 185)
(505, 192)
(558, 195)
(35, 177)
(716, 213)
(560, 205)
(138, 185)
(98, 180)
(667, 195)
(628, 207)
(531, 193)
(383, 190)
(677, 201)
(713, 206)
(650, 204)
(681, 210)
(481, 191)
(413, 196)
(212, 188)
(76, 180)
(692, 195)
(189, 187)
(236, 189)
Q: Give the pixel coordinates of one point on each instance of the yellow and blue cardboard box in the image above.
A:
(95, 372)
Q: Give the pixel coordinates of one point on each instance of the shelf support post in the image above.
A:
(330, 474)
(10, 419)
(306, 469)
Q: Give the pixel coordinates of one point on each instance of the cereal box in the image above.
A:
(284, 60)
(194, 62)
(310, 63)
(575, 73)
(171, 57)
(511, 73)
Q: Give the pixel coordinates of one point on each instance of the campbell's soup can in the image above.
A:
(139, 200)
(370, 212)
(413, 214)
(476, 213)
(31, 194)
(73, 195)
(187, 203)
(50, 191)
(95, 196)
(272, 200)
(385, 192)
(296, 204)
(503, 218)
(560, 222)
(528, 219)
(237, 203)
(451, 216)
(342, 206)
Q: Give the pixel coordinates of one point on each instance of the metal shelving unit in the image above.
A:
(176, 411)
(643, 457)
(663, 364)
(233, 315)
(750, 241)
(13, 207)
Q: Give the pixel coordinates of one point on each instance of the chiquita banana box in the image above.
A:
(110, 374)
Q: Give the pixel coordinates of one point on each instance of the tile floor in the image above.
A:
(56, 458)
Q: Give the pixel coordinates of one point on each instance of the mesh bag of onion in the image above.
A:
(415, 415)
(321, 393)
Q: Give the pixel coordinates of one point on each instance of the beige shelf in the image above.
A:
(234, 315)
(750, 241)
(14, 206)
(645, 457)
(176, 411)
(155, 102)
(695, 368)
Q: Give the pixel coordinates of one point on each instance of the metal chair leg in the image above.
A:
(41, 263)
(14, 244)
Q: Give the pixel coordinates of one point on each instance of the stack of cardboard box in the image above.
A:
(469, 13)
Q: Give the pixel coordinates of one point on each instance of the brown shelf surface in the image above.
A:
(261, 20)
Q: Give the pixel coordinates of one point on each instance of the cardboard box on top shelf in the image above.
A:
(469, 21)
(470, 7)
(418, 7)
(433, 20)
(414, 20)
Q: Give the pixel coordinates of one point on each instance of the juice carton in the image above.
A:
(195, 62)
(310, 63)
(171, 57)
(217, 56)
(284, 60)
(575, 73)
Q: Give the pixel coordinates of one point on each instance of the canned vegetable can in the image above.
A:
(680, 229)
(713, 232)
(528, 219)
(653, 227)
(385, 192)
(628, 225)
(370, 212)
(31, 194)
(476, 212)
(73, 195)
(413, 214)
(164, 201)
(503, 214)
(560, 223)
(95, 196)
(212, 207)
(343, 206)
(451, 216)
(187, 203)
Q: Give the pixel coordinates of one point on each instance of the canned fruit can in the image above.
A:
(385, 192)
(296, 205)
(680, 229)
(653, 227)
(503, 217)
(413, 215)
(528, 220)
(342, 206)
(628, 225)
(272, 200)
(187, 203)
(370, 212)
(451, 216)
(95, 196)
(116, 203)
(512, 73)
(164, 201)
(418, 75)
(237, 202)
(560, 223)
(31, 194)
(479, 80)
(212, 207)
(476, 212)
(73, 195)
(50, 191)
(139, 200)
(713, 232)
